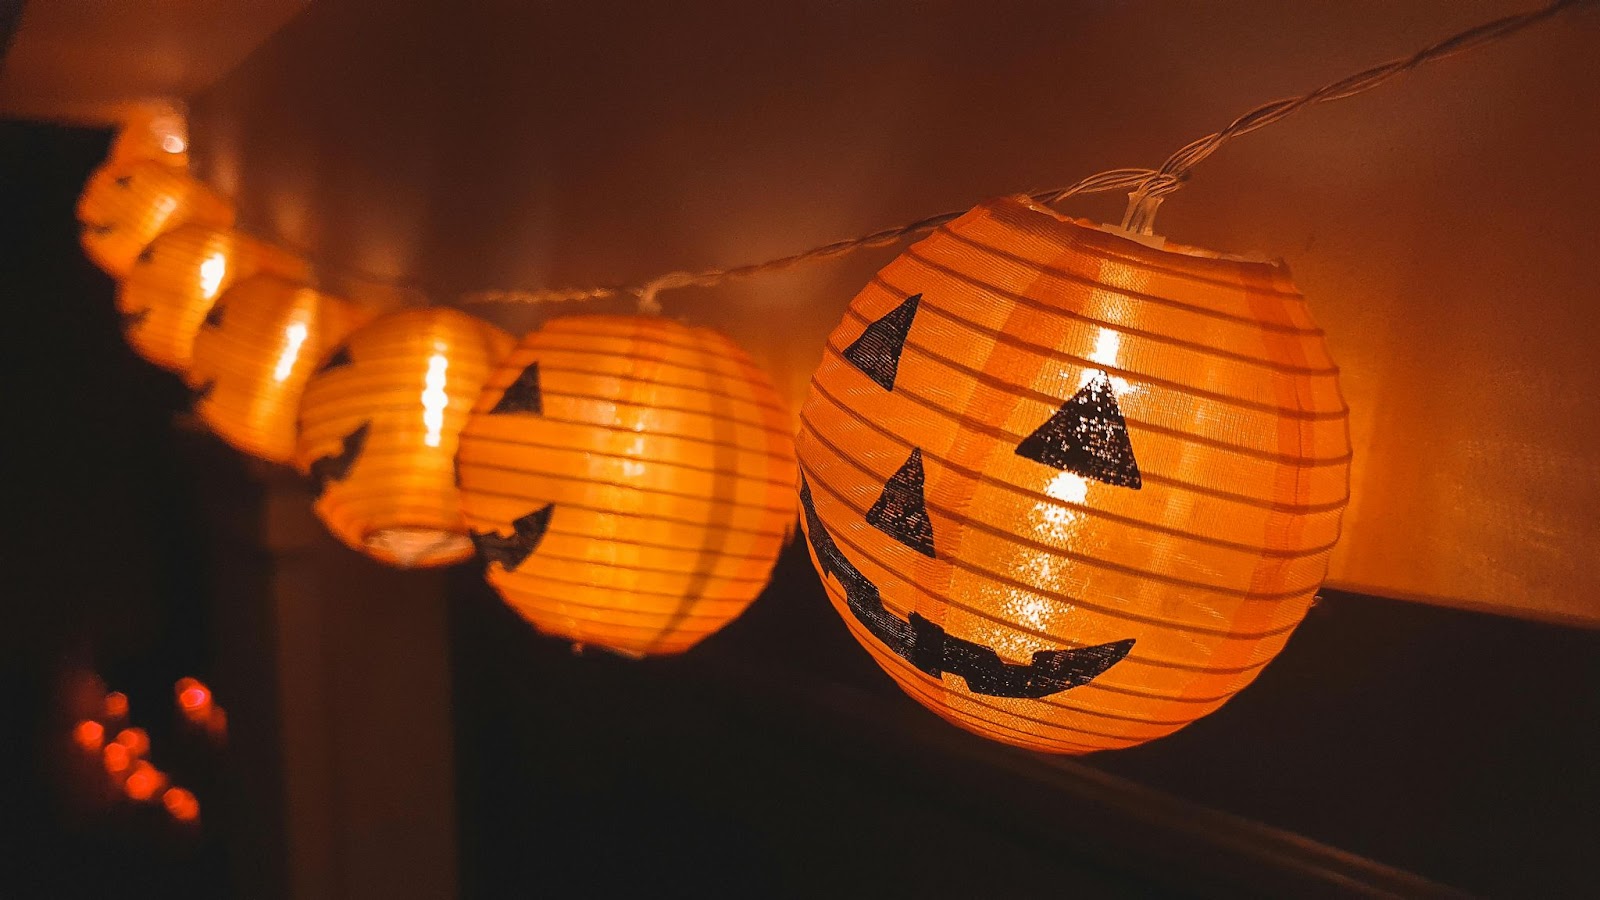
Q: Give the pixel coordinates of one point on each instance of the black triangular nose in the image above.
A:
(901, 511)
(1087, 436)
(522, 395)
(877, 351)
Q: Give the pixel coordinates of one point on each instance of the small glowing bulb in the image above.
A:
(174, 144)
(294, 336)
(434, 399)
(116, 705)
(212, 271)
(116, 758)
(135, 739)
(144, 781)
(181, 804)
(89, 735)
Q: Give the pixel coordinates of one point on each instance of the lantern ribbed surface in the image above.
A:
(125, 206)
(1071, 491)
(174, 282)
(629, 481)
(379, 426)
(253, 356)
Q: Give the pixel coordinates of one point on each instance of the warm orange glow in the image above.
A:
(90, 735)
(116, 758)
(194, 698)
(144, 782)
(269, 336)
(176, 280)
(391, 404)
(1088, 444)
(116, 706)
(217, 723)
(156, 132)
(125, 206)
(632, 480)
(135, 739)
(181, 804)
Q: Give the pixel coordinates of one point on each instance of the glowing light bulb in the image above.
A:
(116, 758)
(116, 705)
(144, 781)
(89, 735)
(434, 399)
(135, 739)
(174, 144)
(212, 271)
(294, 336)
(181, 804)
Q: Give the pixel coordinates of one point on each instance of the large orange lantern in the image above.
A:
(254, 354)
(174, 282)
(379, 425)
(1072, 490)
(628, 481)
(125, 206)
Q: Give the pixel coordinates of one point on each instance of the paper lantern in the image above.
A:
(629, 481)
(158, 133)
(174, 282)
(252, 358)
(124, 207)
(1072, 491)
(379, 424)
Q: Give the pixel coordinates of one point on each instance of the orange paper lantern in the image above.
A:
(1071, 490)
(252, 358)
(125, 206)
(379, 424)
(628, 480)
(174, 282)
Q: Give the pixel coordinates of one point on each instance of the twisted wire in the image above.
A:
(1151, 184)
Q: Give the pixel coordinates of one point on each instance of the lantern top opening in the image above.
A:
(1141, 246)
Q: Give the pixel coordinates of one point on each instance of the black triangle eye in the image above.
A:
(214, 316)
(200, 392)
(339, 357)
(526, 535)
(146, 255)
(1088, 437)
(522, 395)
(98, 229)
(877, 351)
(123, 181)
(901, 511)
(337, 468)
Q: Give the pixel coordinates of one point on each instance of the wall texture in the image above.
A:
(1441, 226)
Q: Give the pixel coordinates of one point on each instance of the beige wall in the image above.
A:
(1442, 226)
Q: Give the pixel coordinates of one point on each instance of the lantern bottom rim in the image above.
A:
(414, 547)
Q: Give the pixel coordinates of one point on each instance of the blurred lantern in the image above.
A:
(116, 706)
(174, 282)
(379, 424)
(90, 735)
(144, 782)
(629, 481)
(194, 699)
(252, 358)
(181, 804)
(117, 758)
(125, 207)
(155, 132)
(1072, 490)
(136, 740)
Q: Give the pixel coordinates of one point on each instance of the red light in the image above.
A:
(116, 758)
(194, 698)
(89, 735)
(217, 724)
(181, 804)
(135, 739)
(144, 781)
(116, 705)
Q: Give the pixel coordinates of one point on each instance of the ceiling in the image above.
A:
(89, 60)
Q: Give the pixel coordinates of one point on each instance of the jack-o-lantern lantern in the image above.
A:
(126, 206)
(254, 354)
(174, 281)
(629, 481)
(156, 132)
(1070, 489)
(379, 424)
